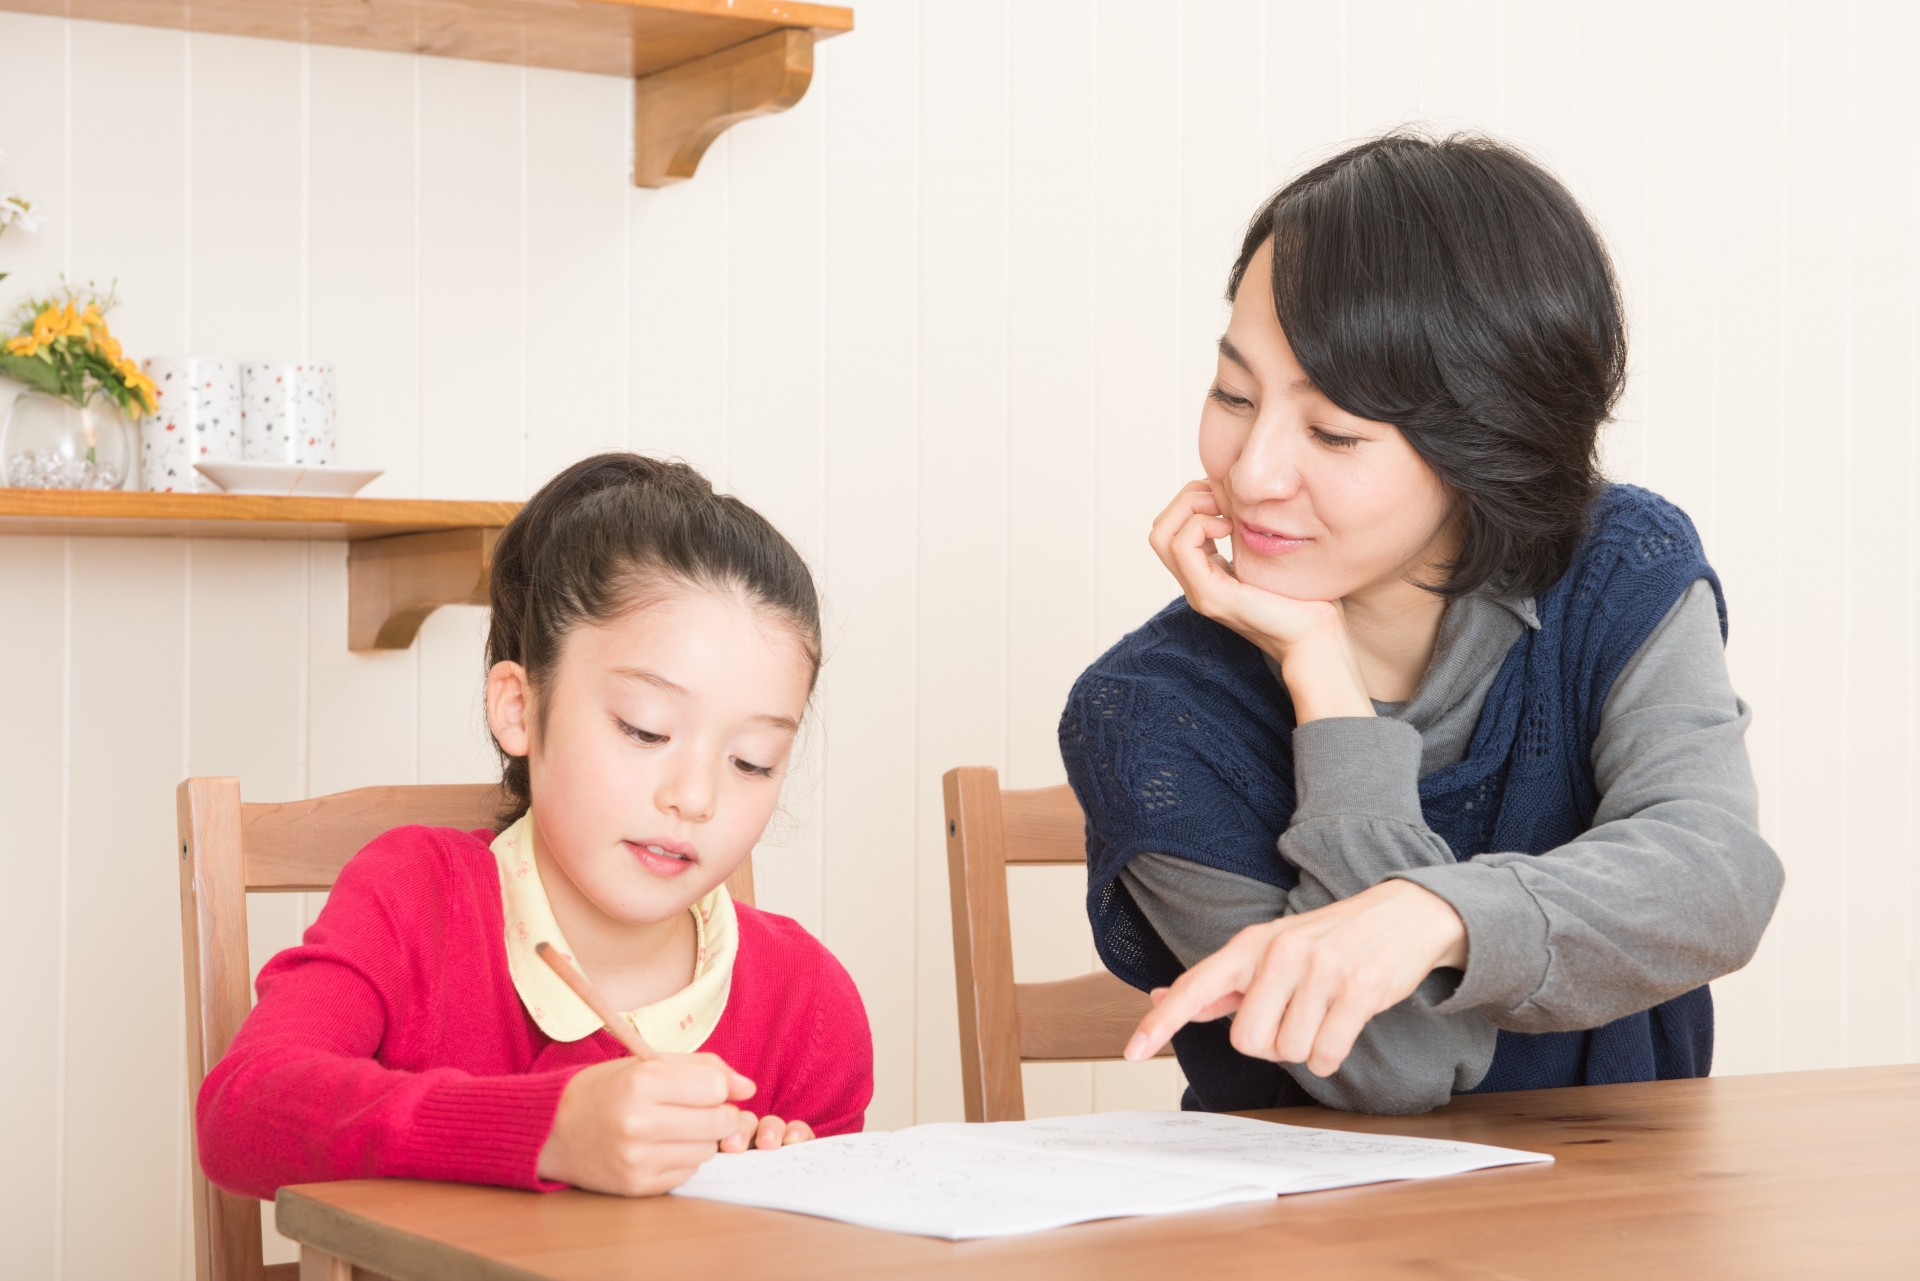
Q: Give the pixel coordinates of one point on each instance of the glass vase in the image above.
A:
(51, 443)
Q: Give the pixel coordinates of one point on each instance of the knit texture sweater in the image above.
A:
(1176, 742)
(391, 1043)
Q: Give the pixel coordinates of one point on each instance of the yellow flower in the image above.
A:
(109, 348)
(47, 326)
(91, 318)
(139, 384)
(24, 345)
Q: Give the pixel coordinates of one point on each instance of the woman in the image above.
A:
(1440, 785)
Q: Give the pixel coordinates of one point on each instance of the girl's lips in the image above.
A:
(1268, 543)
(664, 857)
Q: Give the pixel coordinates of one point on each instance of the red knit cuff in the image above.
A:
(483, 1129)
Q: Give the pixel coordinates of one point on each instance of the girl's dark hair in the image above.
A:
(1453, 288)
(602, 535)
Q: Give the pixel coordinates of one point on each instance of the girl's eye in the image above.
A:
(748, 767)
(1221, 396)
(1335, 442)
(640, 735)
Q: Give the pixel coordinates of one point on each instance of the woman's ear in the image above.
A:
(510, 708)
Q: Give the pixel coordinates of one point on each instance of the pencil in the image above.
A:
(615, 1023)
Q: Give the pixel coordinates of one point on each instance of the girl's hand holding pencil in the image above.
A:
(641, 1125)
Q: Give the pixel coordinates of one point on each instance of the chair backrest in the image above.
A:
(228, 850)
(1004, 1023)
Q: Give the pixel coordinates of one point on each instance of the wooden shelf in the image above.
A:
(702, 65)
(406, 557)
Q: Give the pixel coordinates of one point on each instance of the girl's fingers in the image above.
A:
(772, 1130)
(797, 1132)
(741, 1139)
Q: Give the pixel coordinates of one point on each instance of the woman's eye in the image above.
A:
(1221, 396)
(639, 735)
(748, 767)
(1336, 442)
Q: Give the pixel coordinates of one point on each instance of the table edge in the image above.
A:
(389, 1251)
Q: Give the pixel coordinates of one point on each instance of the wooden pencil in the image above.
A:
(615, 1022)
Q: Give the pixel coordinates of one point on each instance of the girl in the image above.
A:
(652, 651)
(1440, 785)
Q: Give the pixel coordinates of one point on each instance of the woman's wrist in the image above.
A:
(1323, 677)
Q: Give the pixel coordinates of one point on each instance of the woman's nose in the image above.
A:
(1268, 467)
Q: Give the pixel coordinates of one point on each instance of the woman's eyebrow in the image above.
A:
(1232, 353)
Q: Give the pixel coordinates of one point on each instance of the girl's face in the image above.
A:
(1324, 505)
(665, 739)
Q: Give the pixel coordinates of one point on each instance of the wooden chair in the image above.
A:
(228, 850)
(1003, 1023)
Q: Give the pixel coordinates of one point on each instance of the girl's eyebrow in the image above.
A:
(1232, 353)
(660, 682)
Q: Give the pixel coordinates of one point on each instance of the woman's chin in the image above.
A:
(1295, 582)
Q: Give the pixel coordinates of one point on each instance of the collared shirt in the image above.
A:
(678, 1024)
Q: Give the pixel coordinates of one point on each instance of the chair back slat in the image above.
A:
(1043, 825)
(294, 846)
(1003, 1022)
(1076, 1020)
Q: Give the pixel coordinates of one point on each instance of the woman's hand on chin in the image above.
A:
(1308, 638)
(1301, 988)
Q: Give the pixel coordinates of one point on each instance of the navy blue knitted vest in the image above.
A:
(1178, 740)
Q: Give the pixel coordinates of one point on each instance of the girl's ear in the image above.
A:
(510, 707)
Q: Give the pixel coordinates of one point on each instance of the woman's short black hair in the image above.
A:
(1454, 288)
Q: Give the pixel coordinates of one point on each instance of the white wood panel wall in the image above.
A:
(948, 323)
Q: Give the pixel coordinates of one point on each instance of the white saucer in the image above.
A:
(288, 479)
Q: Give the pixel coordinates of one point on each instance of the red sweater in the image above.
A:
(391, 1042)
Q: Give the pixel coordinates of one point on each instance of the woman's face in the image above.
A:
(659, 760)
(1324, 505)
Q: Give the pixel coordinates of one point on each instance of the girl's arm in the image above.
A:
(299, 1096)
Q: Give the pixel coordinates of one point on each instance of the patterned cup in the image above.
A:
(197, 420)
(286, 413)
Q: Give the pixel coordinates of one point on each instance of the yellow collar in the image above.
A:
(679, 1024)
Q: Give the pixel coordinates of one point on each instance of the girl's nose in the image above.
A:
(687, 792)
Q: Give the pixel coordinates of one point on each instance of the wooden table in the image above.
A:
(1806, 1174)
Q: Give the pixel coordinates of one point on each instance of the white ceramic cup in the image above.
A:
(196, 420)
(286, 413)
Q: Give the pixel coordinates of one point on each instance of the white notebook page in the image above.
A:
(964, 1181)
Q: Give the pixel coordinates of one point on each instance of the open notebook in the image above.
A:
(964, 1181)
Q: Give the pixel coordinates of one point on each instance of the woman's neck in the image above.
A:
(633, 963)
(1394, 627)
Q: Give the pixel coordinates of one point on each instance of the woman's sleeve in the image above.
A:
(300, 1098)
(1672, 885)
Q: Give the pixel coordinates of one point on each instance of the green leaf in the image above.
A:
(34, 373)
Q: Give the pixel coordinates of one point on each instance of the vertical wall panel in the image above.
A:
(866, 706)
(363, 312)
(123, 1128)
(961, 475)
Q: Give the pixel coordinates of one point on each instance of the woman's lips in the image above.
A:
(664, 857)
(1267, 542)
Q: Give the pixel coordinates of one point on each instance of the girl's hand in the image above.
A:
(1308, 638)
(1301, 988)
(766, 1133)
(637, 1128)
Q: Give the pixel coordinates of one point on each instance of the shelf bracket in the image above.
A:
(394, 583)
(679, 112)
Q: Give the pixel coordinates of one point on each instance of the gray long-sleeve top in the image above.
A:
(1669, 888)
